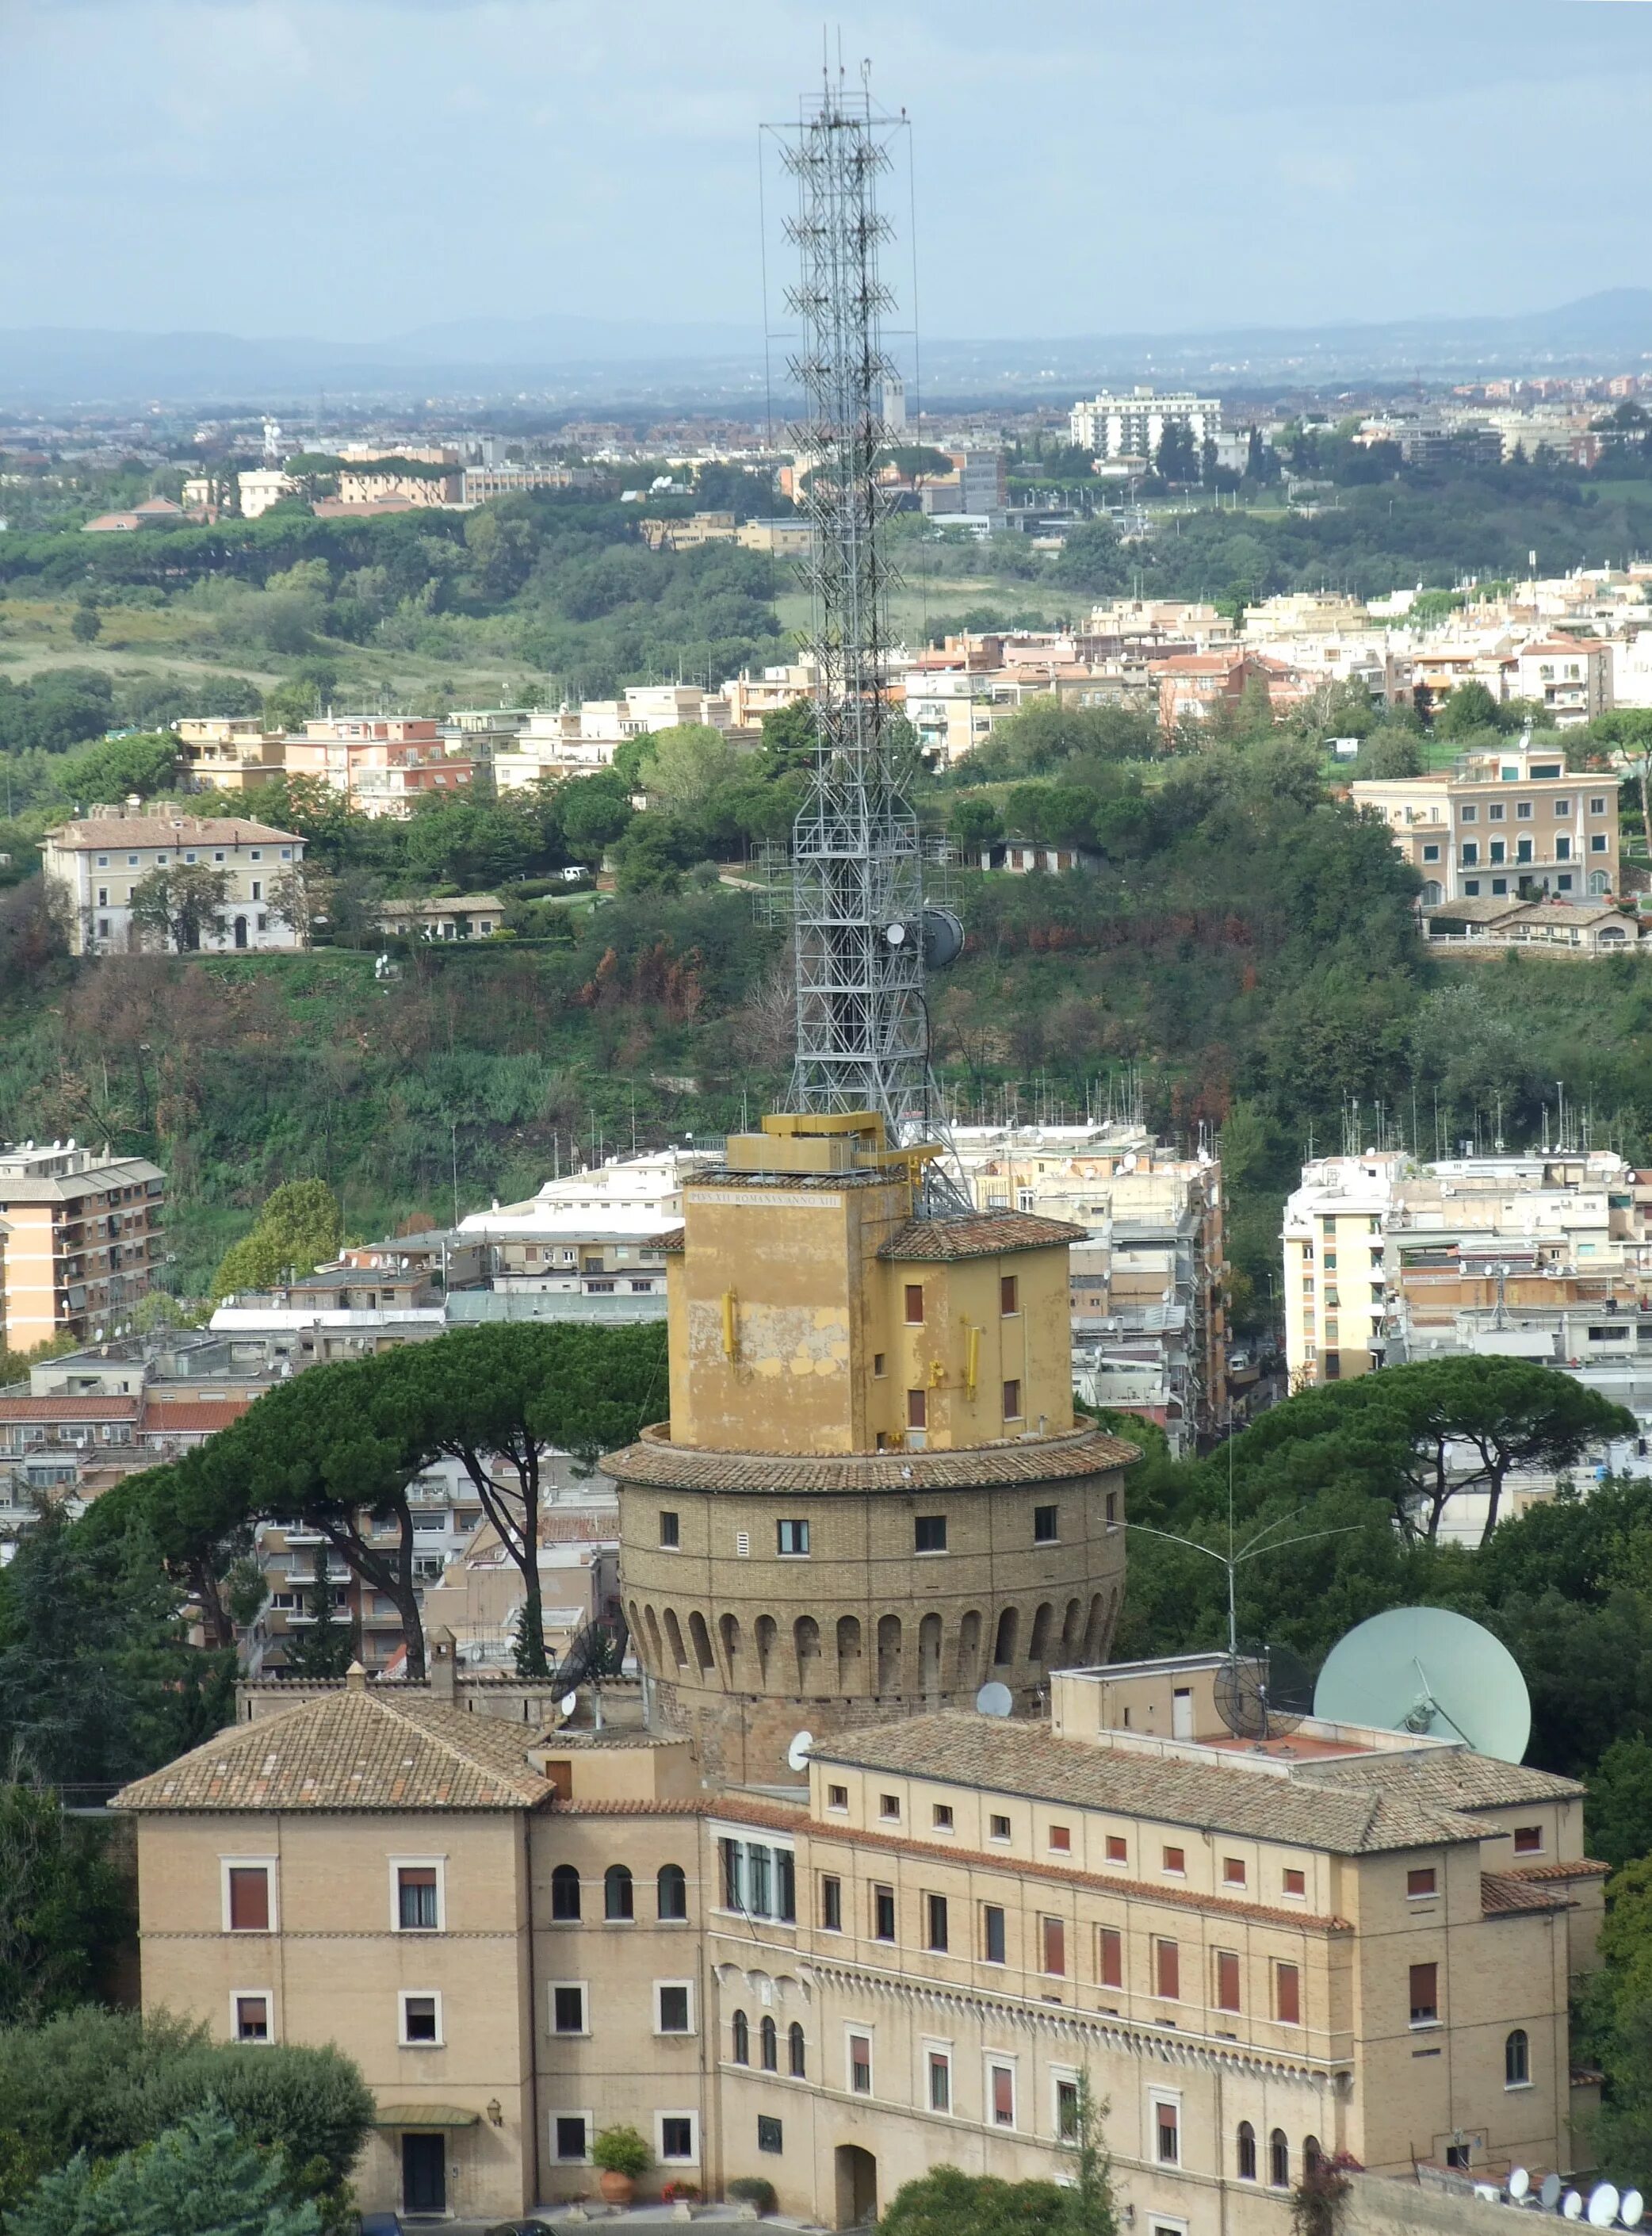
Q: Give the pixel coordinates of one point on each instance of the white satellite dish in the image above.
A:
(1571, 2206)
(1433, 1672)
(994, 1699)
(1603, 2201)
(1549, 2195)
(1519, 2184)
(798, 1752)
(568, 1702)
(1631, 2209)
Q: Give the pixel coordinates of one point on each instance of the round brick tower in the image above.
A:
(872, 1497)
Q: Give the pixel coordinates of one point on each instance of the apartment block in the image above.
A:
(1571, 678)
(85, 1234)
(1134, 425)
(92, 867)
(1513, 823)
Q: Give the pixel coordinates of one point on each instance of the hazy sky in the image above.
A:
(356, 168)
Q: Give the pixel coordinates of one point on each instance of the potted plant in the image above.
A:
(619, 2155)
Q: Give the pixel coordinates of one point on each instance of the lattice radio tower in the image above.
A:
(857, 903)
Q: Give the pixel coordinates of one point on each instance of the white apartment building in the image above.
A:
(92, 865)
(594, 1232)
(570, 741)
(261, 487)
(1569, 677)
(1133, 426)
(1336, 1259)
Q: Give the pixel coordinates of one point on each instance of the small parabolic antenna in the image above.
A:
(994, 1699)
(1549, 2195)
(1571, 2206)
(1519, 2184)
(1603, 2201)
(1262, 1691)
(568, 1702)
(1429, 1671)
(798, 1752)
(1631, 2210)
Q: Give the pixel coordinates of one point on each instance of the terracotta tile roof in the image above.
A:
(1026, 1759)
(1581, 1867)
(978, 1234)
(672, 1240)
(1504, 1897)
(1084, 1451)
(1451, 1778)
(64, 1407)
(190, 1413)
(360, 1748)
(138, 831)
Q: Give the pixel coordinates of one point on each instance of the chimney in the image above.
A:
(355, 1678)
(444, 1667)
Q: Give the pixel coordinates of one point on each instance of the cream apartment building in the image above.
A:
(1515, 822)
(92, 865)
(1352, 1940)
(82, 1235)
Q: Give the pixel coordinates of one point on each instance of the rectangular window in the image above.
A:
(1112, 1958)
(1227, 1979)
(1598, 843)
(917, 1409)
(1288, 1995)
(1009, 1295)
(420, 2022)
(769, 2135)
(1562, 850)
(1425, 1994)
(1494, 813)
(1562, 807)
(1012, 1401)
(930, 1533)
(251, 2017)
(759, 1879)
(883, 1913)
(1000, 2079)
(567, 2007)
(677, 2138)
(1597, 803)
(837, 1796)
(417, 1898)
(673, 2012)
(998, 1828)
(1233, 1870)
(248, 1908)
(940, 2065)
(831, 1906)
(1111, 1510)
(1295, 1883)
(570, 2133)
(1523, 811)
(1052, 1934)
(791, 1538)
(1471, 853)
(1167, 2133)
(993, 1936)
(1167, 1972)
(1468, 815)
(669, 1530)
(934, 1908)
(1420, 1882)
(860, 2064)
(940, 1816)
(889, 1807)
(1061, 1839)
(1499, 850)
(1430, 853)
(1528, 1839)
(914, 1304)
(1118, 1849)
(1176, 1862)
(1046, 1524)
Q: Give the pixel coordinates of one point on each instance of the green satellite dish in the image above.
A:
(1429, 1671)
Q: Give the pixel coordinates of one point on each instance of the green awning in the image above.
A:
(424, 2115)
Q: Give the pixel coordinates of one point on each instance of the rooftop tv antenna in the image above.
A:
(1431, 1672)
(861, 935)
(1263, 1692)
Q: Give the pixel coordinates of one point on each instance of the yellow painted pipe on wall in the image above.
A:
(728, 1341)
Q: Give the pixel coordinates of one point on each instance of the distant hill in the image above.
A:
(586, 358)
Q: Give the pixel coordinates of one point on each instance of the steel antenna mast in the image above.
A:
(862, 1036)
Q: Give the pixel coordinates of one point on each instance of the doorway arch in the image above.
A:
(857, 2200)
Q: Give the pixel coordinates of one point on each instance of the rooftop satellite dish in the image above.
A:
(1603, 2201)
(1429, 1671)
(568, 1702)
(798, 1752)
(1263, 1691)
(994, 1699)
(1549, 2195)
(1571, 2206)
(1519, 2184)
(1631, 2209)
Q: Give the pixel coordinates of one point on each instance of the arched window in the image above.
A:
(616, 1892)
(1599, 883)
(1072, 1631)
(1009, 1624)
(1043, 1623)
(674, 1632)
(1279, 2160)
(729, 1630)
(1311, 2154)
(849, 1651)
(656, 1650)
(765, 1642)
(969, 1631)
(700, 1639)
(742, 2047)
(565, 1892)
(671, 1889)
(795, 2044)
(1247, 2151)
(769, 2045)
(929, 1653)
(1517, 2060)
(1432, 894)
(889, 1654)
(805, 1640)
